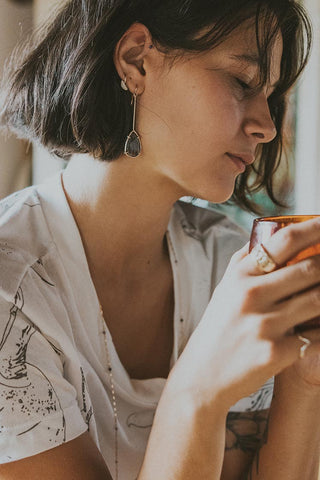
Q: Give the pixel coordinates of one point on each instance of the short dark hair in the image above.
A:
(66, 93)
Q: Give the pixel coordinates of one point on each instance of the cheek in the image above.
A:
(188, 122)
(201, 116)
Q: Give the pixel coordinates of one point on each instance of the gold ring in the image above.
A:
(303, 348)
(263, 260)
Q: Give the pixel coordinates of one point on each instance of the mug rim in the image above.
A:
(284, 218)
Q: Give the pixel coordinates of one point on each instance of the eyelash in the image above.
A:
(246, 89)
(245, 86)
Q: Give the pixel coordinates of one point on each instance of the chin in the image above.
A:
(215, 197)
(212, 189)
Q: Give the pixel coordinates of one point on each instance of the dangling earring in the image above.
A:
(132, 146)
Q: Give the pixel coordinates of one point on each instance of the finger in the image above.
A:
(287, 243)
(291, 280)
(296, 310)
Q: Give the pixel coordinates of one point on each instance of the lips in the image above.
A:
(238, 162)
(246, 158)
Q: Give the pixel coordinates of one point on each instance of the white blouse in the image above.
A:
(54, 383)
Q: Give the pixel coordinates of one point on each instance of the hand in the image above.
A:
(245, 336)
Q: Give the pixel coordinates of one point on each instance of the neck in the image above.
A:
(122, 210)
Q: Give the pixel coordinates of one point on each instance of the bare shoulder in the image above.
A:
(246, 432)
(79, 458)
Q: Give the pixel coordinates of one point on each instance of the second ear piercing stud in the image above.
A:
(124, 83)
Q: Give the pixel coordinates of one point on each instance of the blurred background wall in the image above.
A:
(307, 154)
(15, 162)
(43, 163)
(20, 163)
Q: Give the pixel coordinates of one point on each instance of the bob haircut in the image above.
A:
(66, 91)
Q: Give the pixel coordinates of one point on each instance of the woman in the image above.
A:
(117, 349)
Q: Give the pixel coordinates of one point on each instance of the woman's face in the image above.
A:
(196, 117)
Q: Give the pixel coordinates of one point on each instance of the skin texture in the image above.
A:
(75, 460)
(189, 118)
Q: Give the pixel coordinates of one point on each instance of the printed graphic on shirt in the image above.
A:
(9, 201)
(261, 400)
(5, 249)
(26, 394)
(39, 269)
(86, 409)
(31, 205)
(141, 419)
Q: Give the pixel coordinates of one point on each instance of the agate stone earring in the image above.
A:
(132, 146)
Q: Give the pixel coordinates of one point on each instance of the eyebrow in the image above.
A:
(252, 59)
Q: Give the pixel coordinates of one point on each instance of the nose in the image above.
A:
(258, 122)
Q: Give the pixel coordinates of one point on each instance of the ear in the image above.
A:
(130, 56)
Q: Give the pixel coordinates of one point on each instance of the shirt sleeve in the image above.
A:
(38, 406)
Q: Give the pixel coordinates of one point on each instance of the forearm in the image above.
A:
(291, 448)
(186, 442)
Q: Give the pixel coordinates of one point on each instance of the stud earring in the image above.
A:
(124, 83)
(132, 146)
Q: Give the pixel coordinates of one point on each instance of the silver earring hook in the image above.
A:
(134, 102)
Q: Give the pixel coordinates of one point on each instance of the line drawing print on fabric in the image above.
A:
(140, 419)
(26, 394)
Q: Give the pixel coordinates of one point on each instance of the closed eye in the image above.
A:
(243, 84)
(248, 89)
